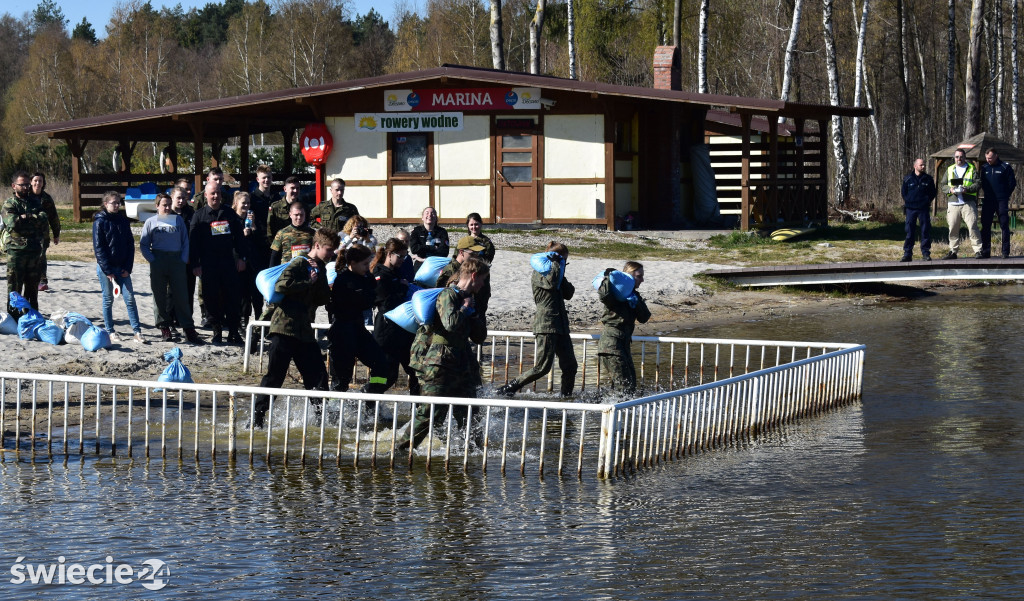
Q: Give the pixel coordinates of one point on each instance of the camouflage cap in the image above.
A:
(469, 243)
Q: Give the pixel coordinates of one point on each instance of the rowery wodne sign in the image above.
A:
(462, 99)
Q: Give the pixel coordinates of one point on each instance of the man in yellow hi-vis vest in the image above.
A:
(962, 185)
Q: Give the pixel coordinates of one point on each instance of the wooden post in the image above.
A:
(77, 149)
(745, 173)
(197, 146)
(773, 166)
(289, 162)
(243, 163)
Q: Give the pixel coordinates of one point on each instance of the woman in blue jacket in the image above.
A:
(114, 245)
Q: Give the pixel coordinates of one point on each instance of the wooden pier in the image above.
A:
(879, 271)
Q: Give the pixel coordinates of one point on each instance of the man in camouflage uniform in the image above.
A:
(279, 218)
(39, 190)
(443, 355)
(304, 286)
(24, 224)
(335, 213)
(214, 176)
(614, 349)
(467, 247)
(550, 326)
(295, 239)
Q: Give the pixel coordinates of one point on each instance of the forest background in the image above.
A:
(909, 60)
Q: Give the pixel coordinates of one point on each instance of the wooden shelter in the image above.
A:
(514, 147)
(975, 148)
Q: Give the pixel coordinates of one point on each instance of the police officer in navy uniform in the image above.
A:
(918, 193)
(998, 183)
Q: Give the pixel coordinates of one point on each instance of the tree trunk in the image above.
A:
(702, 49)
(794, 35)
(997, 69)
(925, 101)
(677, 23)
(842, 182)
(950, 68)
(536, 29)
(1014, 93)
(858, 79)
(497, 47)
(972, 109)
(904, 75)
(990, 35)
(572, 37)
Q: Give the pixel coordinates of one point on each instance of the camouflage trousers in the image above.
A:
(619, 371)
(23, 273)
(439, 382)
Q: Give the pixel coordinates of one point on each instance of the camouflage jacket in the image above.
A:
(332, 216)
(450, 275)
(292, 241)
(550, 297)
(619, 319)
(28, 232)
(301, 297)
(50, 208)
(277, 218)
(450, 334)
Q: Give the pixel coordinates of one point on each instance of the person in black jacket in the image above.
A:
(918, 193)
(114, 245)
(998, 182)
(218, 251)
(428, 240)
(354, 291)
(392, 290)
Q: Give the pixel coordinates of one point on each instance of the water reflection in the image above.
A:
(914, 493)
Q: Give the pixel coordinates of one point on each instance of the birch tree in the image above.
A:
(950, 66)
(904, 76)
(497, 48)
(842, 183)
(1015, 81)
(536, 29)
(972, 109)
(794, 35)
(571, 24)
(702, 49)
(858, 81)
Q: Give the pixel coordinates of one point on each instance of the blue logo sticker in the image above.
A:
(413, 99)
(511, 98)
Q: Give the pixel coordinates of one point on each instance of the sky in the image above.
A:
(98, 11)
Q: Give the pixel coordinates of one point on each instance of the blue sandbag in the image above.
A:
(413, 289)
(332, 273)
(432, 267)
(29, 324)
(424, 304)
(266, 281)
(94, 339)
(50, 332)
(403, 317)
(541, 263)
(19, 303)
(175, 372)
(8, 325)
(622, 284)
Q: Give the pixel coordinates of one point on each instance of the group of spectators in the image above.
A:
(963, 182)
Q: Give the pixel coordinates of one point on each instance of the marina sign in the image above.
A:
(462, 99)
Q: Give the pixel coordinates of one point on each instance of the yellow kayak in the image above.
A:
(790, 233)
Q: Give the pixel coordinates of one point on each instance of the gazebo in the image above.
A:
(976, 147)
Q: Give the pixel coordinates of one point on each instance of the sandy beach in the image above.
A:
(675, 301)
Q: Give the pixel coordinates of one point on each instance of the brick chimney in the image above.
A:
(667, 68)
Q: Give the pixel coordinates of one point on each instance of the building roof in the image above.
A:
(977, 146)
(294, 107)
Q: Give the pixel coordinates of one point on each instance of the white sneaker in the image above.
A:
(138, 339)
(114, 338)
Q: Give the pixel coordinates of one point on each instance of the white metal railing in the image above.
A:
(64, 414)
(662, 362)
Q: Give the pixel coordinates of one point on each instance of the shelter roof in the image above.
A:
(294, 107)
(977, 146)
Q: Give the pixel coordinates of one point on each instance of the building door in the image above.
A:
(516, 177)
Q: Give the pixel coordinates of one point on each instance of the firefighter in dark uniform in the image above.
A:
(304, 286)
(353, 292)
(550, 325)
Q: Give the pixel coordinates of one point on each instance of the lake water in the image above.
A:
(916, 492)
